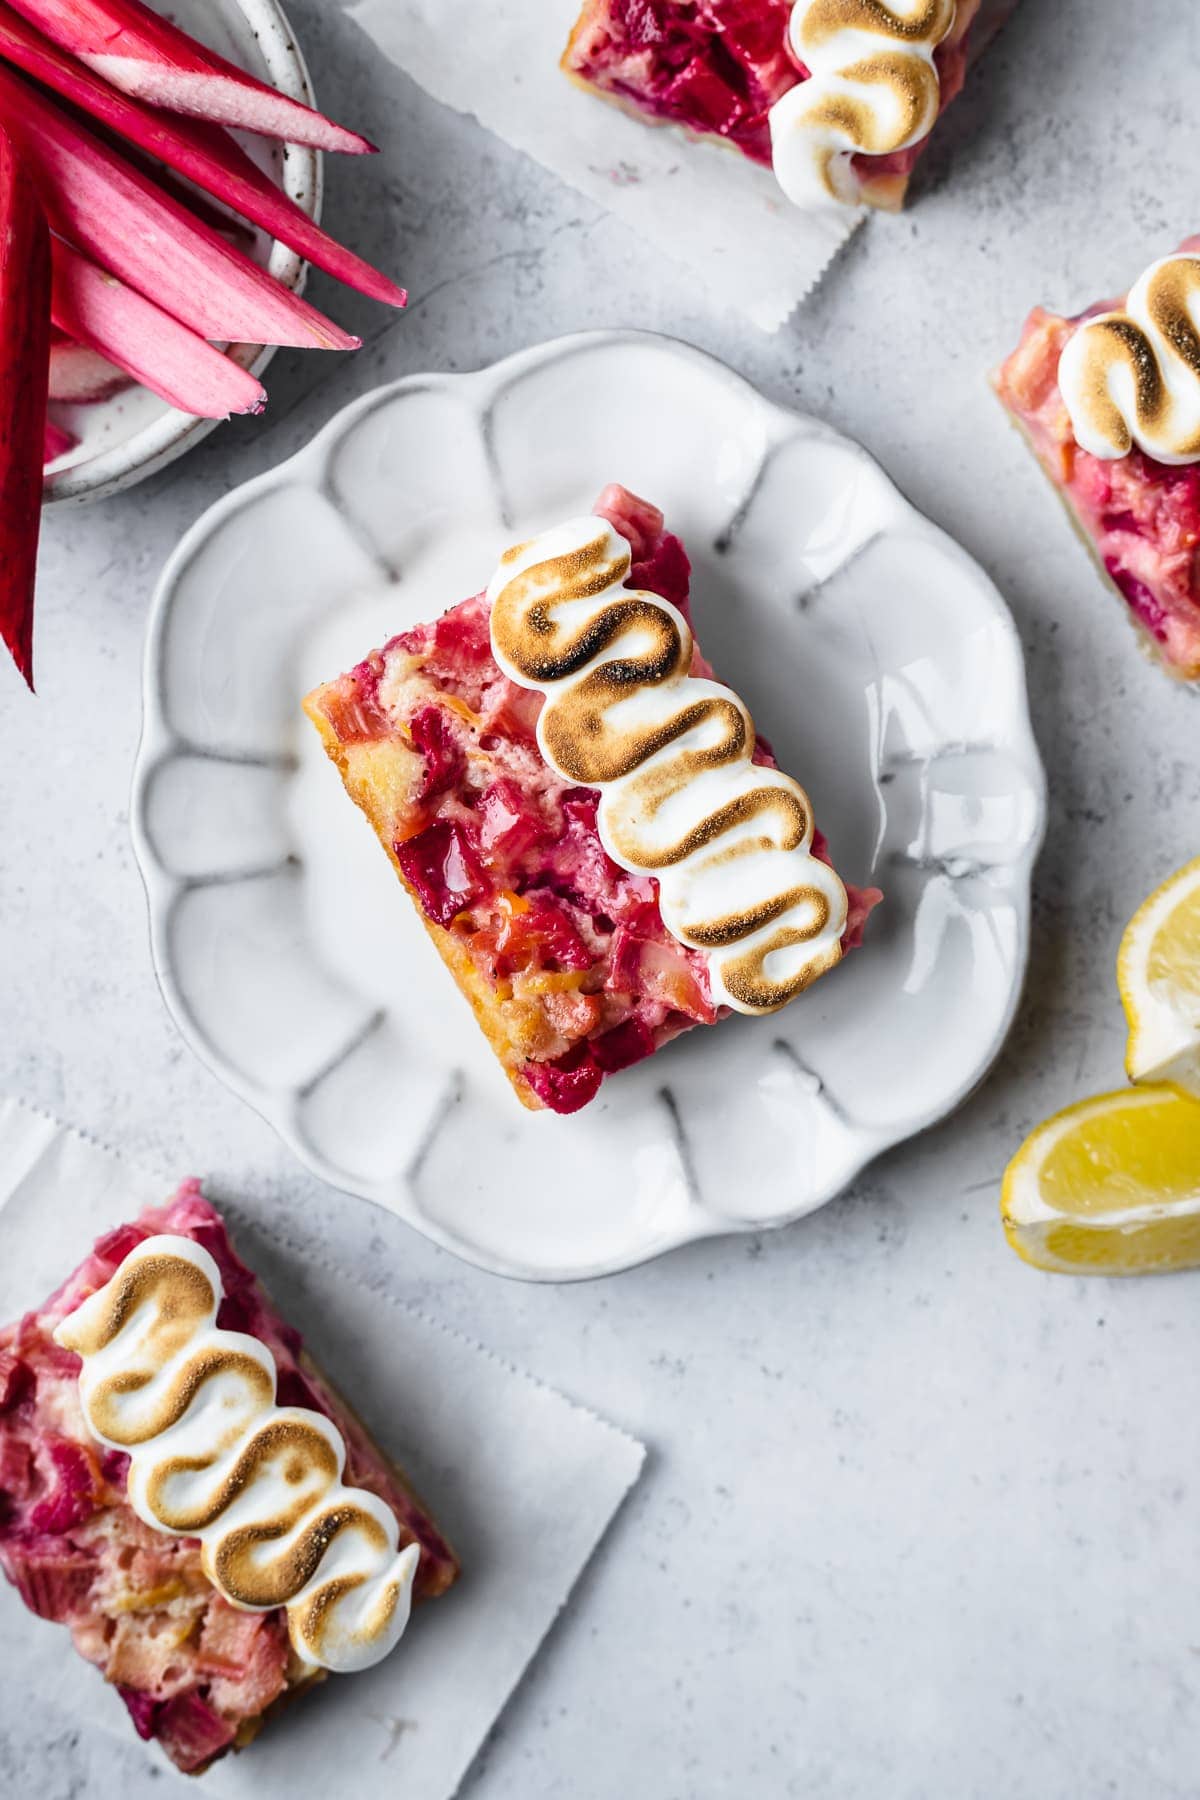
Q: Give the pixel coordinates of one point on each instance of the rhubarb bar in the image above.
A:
(837, 95)
(599, 845)
(1109, 401)
(163, 1341)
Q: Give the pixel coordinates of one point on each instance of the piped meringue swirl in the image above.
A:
(728, 840)
(1133, 376)
(213, 1457)
(873, 89)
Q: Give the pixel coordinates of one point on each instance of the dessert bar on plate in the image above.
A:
(183, 1489)
(598, 843)
(1110, 403)
(838, 96)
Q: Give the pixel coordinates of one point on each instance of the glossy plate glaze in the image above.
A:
(875, 655)
(134, 434)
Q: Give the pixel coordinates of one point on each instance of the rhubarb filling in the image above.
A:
(716, 68)
(196, 1674)
(501, 853)
(1141, 517)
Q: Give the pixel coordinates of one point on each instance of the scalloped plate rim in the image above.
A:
(158, 742)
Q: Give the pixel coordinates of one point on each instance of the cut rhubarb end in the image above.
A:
(146, 56)
(97, 200)
(148, 344)
(24, 374)
(205, 154)
(56, 442)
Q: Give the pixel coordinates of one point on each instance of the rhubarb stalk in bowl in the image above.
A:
(153, 259)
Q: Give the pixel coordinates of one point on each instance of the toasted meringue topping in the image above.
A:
(728, 841)
(213, 1457)
(873, 89)
(1133, 377)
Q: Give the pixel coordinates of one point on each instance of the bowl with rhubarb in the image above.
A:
(160, 194)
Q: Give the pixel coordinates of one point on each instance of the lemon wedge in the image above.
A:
(1110, 1186)
(1158, 973)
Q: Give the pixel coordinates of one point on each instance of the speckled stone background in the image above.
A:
(918, 1524)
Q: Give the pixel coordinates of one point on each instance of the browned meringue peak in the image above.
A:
(816, 22)
(873, 89)
(179, 1293)
(1132, 377)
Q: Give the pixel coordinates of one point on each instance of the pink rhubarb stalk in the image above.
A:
(101, 203)
(24, 364)
(146, 56)
(97, 310)
(56, 442)
(205, 154)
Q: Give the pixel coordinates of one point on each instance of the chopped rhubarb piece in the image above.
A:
(143, 1709)
(53, 1579)
(657, 971)
(506, 821)
(70, 1499)
(1139, 517)
(197, 1675)
(442, 867)
(228, 1640)
(143, 54)
(563, 952)
(538, 933)
(443, 756)
(15, 1379)
(114, 1466)
(245, 1656)
(24, 374)
(17, 1473)
(569, 1083)
(133, 228)
(204, 153)
(191, 1732)
(115, 1245)
(107, 317)
(622, 1046)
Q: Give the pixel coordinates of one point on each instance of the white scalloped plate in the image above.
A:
(875, 655)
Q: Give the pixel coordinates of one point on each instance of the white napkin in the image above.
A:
(706, 208)
(523, 1482)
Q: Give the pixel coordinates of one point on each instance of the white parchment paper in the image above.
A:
(712, 212)
(523, 1482)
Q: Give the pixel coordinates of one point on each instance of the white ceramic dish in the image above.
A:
(874, 653)
(134, 434)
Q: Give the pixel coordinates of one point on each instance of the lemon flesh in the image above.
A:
(1158, 973)
(1109, 1187)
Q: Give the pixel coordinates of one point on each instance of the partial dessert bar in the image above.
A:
(599, 845)
(838, 96)
(1109, 401)
(182, 1488)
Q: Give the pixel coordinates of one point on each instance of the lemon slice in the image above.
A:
(1158, 973)
(1109, 1187)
